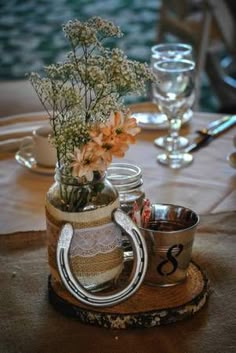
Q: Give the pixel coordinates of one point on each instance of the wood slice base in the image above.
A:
(148, 307)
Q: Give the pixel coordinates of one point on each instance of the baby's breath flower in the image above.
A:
(88, 87)
(80, 33)
(106, 27)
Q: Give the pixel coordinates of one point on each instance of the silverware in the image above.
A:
(213, 131)
(214, 124)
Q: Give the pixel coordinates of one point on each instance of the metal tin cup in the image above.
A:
(169, 237)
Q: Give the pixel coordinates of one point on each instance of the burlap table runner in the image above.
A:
(29, 324)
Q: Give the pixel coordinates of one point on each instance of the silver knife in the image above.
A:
(215, 123)
(211, 133)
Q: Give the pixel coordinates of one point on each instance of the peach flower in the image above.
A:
(115, 135)
(121, 127)
(87, 160)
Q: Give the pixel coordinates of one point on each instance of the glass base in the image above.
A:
(175, 161)
(163, 141)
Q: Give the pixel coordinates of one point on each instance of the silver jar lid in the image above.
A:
(124, 176)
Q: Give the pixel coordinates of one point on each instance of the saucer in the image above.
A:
(150, 118)
(26, 159)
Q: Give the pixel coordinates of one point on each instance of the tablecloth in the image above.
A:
(207, 186)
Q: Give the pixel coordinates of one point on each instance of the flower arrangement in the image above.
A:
(84, 99)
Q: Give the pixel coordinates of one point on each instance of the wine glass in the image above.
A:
(175, 95)
(170, 51)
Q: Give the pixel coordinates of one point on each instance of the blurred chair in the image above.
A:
(209, 26)
(221, 68)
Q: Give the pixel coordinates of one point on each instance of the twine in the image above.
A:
(83, 219)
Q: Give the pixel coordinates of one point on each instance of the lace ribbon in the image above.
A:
(92, 241)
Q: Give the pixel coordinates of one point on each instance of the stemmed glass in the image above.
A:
(165, 51)
(175, 95)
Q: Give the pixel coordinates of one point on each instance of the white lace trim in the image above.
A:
(88, 242)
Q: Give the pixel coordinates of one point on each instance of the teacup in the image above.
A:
(169, 237)
(42, 150)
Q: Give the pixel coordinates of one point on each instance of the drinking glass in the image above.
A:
(174, 91)
(170, 51)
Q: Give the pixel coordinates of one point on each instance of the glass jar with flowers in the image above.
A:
(83, 97)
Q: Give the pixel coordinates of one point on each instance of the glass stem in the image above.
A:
(175, 124)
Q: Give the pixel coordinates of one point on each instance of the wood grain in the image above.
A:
(150, 306)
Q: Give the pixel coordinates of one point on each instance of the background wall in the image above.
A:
(31, 35)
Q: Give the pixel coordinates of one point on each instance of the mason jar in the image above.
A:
(127, 179)
(96, 254)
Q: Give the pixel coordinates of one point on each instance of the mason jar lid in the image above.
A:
(124, 176)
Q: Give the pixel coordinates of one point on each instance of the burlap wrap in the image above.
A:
(92, 271)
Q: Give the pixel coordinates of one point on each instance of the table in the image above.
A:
(30, 324)
(207, 186)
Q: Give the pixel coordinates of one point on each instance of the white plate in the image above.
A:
(26, 159)
(149, 118)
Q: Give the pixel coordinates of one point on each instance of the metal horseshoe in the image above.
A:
(139, 270)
